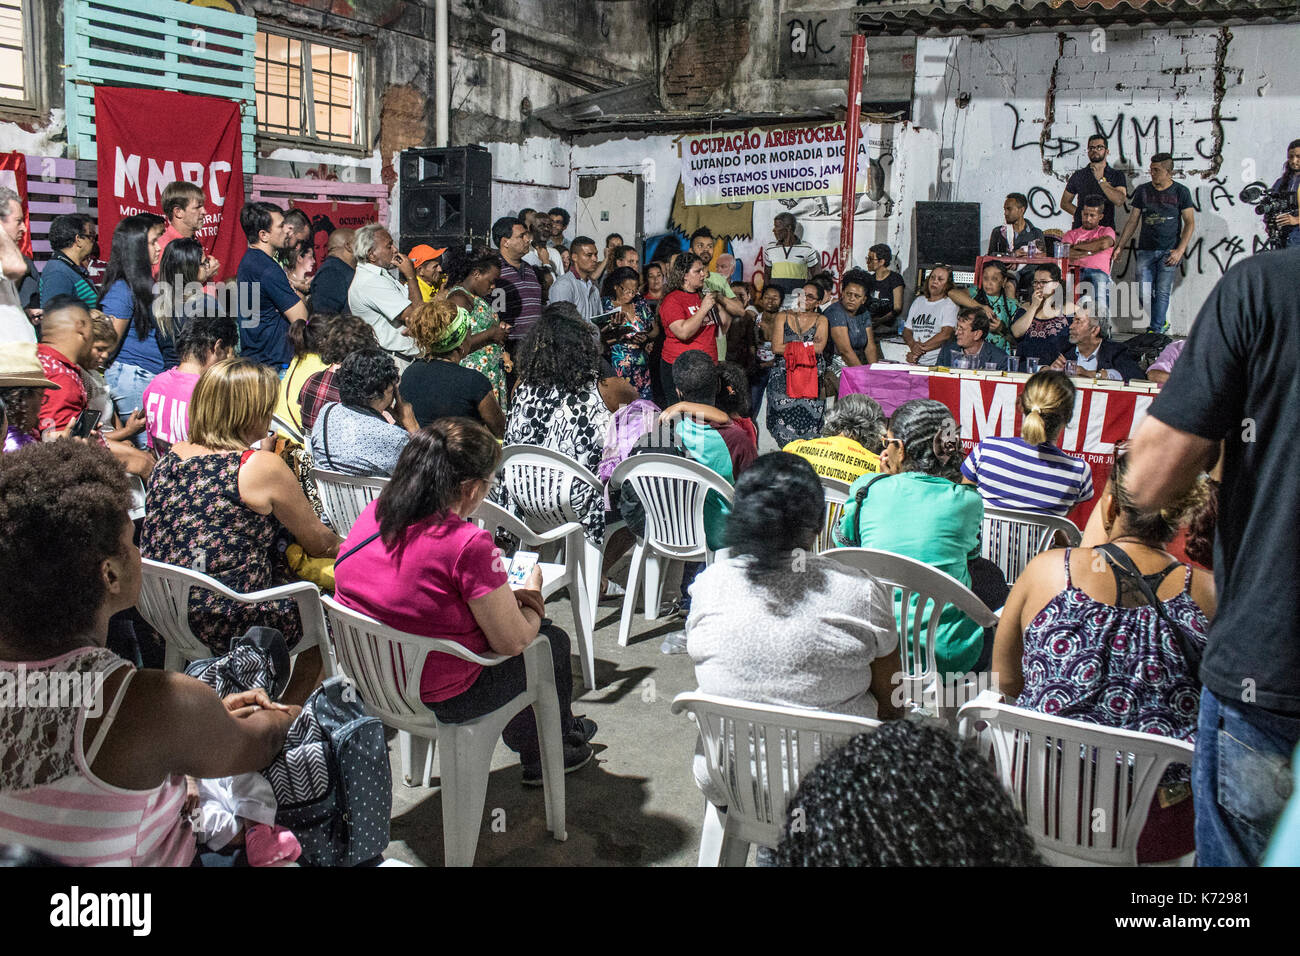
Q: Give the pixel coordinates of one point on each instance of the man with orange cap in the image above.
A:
(428, 269)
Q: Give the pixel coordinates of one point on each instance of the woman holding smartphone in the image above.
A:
(413, 562)
(629, 334)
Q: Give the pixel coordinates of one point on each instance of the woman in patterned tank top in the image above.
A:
(94, 769)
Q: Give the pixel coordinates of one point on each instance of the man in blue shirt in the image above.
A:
(972, 330)
(72, 237)
(267, 303)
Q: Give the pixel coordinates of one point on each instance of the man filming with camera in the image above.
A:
(1288, 185)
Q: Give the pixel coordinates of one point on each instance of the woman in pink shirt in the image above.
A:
(414, 563)
(203, 343)
(94, 775)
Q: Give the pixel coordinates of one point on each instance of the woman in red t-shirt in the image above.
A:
(689, 320)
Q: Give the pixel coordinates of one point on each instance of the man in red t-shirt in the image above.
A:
(183, 208)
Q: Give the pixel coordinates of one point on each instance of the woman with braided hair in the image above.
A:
(1031, 473)
(908, 794)
(917, 507)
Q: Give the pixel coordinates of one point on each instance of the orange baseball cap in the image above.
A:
(422, 253)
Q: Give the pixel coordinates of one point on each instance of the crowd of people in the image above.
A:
(416, 367)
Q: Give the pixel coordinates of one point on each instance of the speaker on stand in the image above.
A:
(446, 197)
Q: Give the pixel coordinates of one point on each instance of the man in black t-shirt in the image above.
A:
(1095, 179)
(1163, 209)
(1235, 383)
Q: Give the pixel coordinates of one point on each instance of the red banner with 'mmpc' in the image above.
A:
(146, 139)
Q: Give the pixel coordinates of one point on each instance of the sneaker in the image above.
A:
(613, 593)
(575, 758)
(583, 727)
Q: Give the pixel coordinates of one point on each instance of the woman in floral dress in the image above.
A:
(629, 334)
(471, 280)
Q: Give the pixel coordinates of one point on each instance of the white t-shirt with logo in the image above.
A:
(926, 318)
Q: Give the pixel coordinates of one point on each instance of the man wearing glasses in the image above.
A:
(1095, 179)
(73, 238)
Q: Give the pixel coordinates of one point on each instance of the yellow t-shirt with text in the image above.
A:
(839, 457)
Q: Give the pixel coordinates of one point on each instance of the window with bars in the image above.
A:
(17, 71)
(307, 89)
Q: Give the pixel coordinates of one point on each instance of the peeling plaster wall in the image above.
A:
(1209, 97)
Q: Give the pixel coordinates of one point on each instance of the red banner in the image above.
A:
(987, 407)
(13, 173)
(327, 216)
(147, 139)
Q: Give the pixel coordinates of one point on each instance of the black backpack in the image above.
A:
(1146, 348)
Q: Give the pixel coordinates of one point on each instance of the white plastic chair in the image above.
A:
(672, 491)
(837, 495)
(554, 576)
(757, 754)
(138, 497)
(1011, 539)
(934, 590)
(1083, 789)
(165, 603)
(344, 497)
(386, 666)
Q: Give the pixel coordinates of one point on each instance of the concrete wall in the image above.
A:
(1209, 97)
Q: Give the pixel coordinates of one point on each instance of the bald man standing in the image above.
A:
(329, 287)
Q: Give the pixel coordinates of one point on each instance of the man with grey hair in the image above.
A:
(15, 326)
(787, 261)
(378, 298)
(853, 436)
(1092, 351)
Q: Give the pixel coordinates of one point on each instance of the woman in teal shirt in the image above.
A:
(917, 507)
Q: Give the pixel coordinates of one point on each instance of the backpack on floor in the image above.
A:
(333, 781)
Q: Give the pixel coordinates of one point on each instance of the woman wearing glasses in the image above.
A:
(1044, 328)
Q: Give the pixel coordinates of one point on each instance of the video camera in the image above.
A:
(1270, 205)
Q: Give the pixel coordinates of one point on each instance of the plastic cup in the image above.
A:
(1032, 365)
(1013, 363)
(990, 366)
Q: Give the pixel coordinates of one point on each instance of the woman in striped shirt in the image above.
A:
(96, 751)
(1031, 473)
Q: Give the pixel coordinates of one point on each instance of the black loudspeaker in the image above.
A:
(446, 195)
(948, 232)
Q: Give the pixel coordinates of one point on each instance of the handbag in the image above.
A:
(1191, 652)
(801, 371)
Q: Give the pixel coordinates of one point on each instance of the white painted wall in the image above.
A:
(1161, 75)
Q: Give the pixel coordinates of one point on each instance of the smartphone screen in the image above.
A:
(522, 563)
(85, 423)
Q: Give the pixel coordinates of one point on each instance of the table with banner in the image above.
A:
(986, 404)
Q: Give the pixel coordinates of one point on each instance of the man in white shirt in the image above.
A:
(14, 324)
(787, 262)
(576, 285)
(378, 298)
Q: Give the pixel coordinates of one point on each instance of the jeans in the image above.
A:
(1292, 238)
(496, 686)
(1241, 778)
(1155, 283)
(1100, 282)
(126, 385)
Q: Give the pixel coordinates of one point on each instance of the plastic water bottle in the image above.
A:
(674, 643)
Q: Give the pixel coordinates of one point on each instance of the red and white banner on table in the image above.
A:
(988, 407)
(146, 139)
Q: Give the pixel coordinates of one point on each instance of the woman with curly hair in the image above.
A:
(1078, 639)
(99, 780)
(630, 334)
(344, 335)
(470, 281)
(557, 403)
(908, 794)
(352, 436)
(439, 385)
(918, 508)
(690, 320)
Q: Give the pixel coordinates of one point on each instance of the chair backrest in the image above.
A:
(165, 603)
(758, 753)
(1083, 789)
(287, 429)
(138, 497)
(672, 490)
(344, 497)
(542, 485)
(386, 664)
(837, 495)
(933, 590)
(1011, 539)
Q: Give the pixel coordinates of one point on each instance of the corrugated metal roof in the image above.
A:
(910, 18)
